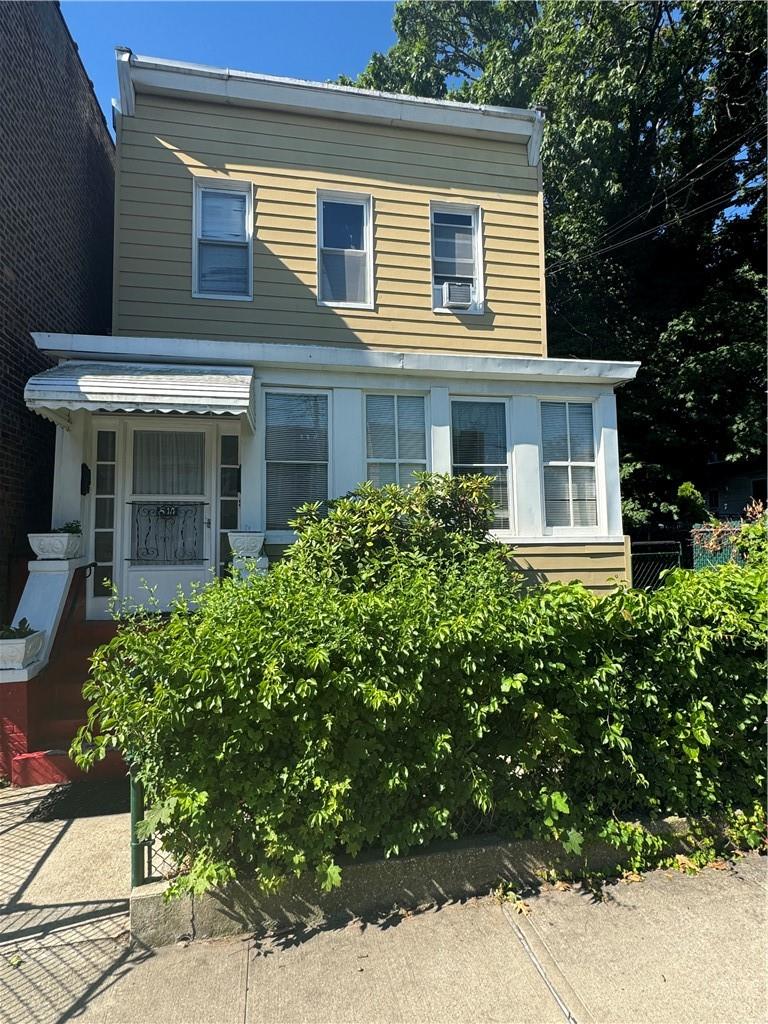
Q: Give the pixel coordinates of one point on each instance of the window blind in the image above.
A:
(568, 451)
(296, 449)
(395, 438)
(223, 249)
(479, 439)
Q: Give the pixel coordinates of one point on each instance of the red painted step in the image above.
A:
(52, 766)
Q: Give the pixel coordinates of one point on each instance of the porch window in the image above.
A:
(296, 454)
(456, 256)
(222, 244)
(345, 250)
(229, 495)
(568, 452)
(104, 513)
(479, 439)
(395, 430)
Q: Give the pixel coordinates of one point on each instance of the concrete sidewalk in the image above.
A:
(670, 948)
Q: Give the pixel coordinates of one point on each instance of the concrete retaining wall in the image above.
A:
(373, 887)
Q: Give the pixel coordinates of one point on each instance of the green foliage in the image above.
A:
(390, 680)
(73, 526)
(17, 632)
(752, 539)
(653, 160)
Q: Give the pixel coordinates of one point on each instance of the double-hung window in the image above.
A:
(222, 258)
(568, 451)
(479, 442)
(396, 438)
(345, 250)
(296, 451)
(457, 278)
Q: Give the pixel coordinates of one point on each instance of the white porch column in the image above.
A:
(440, 408)
(608, 462)
(526, 465)
(348, 456)
(70, 454)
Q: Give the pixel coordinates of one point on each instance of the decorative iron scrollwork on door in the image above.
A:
(165, 533)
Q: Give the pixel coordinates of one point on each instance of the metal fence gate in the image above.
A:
(651, 558)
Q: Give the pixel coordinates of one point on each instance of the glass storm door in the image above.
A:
(168, 514)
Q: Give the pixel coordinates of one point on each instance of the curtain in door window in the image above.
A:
(168, 462)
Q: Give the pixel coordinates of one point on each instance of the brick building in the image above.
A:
(56, 229)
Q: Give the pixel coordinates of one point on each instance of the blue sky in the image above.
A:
(315, 40)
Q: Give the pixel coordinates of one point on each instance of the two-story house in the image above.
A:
(316, 285)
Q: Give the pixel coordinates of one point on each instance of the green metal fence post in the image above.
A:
(138, 855)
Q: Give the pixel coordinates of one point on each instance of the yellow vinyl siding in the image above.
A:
(288, 158)
(597, 566)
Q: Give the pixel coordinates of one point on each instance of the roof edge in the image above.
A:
(155, 75)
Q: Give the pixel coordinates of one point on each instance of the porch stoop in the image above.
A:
(40, 717)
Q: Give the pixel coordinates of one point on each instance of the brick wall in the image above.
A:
(56, 197)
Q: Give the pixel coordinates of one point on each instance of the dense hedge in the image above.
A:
(311, 711)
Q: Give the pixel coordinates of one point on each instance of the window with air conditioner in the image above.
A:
(296, 454)
(222, 244)
(568, 455)
(457, 280)
(396, 438)
(345, 250)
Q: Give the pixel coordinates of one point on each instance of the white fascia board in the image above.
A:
(244, 88)
(127, 104)
(327, 357)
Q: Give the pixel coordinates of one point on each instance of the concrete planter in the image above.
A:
(246, 547)
(19, 653)
(56, 545)
(373, 887)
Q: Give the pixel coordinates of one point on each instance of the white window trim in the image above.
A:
(427, 460)
(200, 185)
(289, 536)
(478, 305)
(596, 464)
(496, 531)
(364, 199)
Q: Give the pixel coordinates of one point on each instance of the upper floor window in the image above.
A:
(479, 442)
(296, 450)
(396, 438)
(568, 452)
(345, 250)
(222, 244)
(457, 278)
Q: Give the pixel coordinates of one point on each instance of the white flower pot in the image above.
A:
(55, 545)
(246, 547)
(22, 652)
(245, 544)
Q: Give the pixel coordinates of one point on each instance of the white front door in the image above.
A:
(167, 530)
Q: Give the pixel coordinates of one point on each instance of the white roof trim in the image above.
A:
(246, 88)
(329, 357)
(138, 387)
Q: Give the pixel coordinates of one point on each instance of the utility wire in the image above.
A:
(743, 140)
(649, 231)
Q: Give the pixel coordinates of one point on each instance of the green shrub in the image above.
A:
(390, 680)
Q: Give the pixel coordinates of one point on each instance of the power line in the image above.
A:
(631, 218)
(649, 231)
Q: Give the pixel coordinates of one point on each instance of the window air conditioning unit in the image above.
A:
(457, 295)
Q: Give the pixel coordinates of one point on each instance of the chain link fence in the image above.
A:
(149, 861)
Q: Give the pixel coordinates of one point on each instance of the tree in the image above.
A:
(654, 173)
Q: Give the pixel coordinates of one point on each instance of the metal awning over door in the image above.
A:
(141, 387)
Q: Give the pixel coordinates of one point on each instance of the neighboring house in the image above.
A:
(56, 196)
(315, 285)
(730, 487)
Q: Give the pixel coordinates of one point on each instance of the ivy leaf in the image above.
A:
(329, 876)
(573, 842)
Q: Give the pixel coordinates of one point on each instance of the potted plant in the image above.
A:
(20, 645)
(64, 542)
